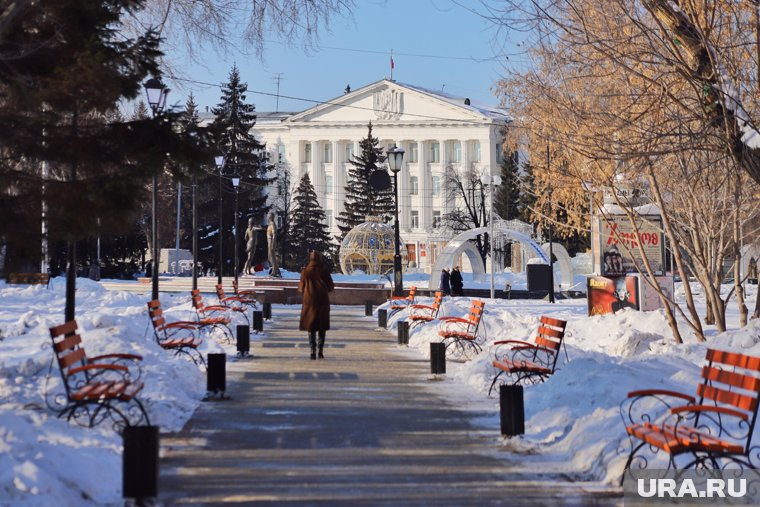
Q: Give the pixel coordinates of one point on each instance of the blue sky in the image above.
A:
(461, 57)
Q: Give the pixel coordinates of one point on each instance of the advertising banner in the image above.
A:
(612, 294)
(650, 300)
(619, 242)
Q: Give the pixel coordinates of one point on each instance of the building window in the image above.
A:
(412, 154)
(414, 185)
(415, 219)
(280, 153)
(499, 153)
(435, 152)
(307, 153)
(328, 153)
(349, 151)
(328, 217)
(328, 185)
(436, 185)
(436, 219)
(278, 219)
(456, 152)
(476, 151)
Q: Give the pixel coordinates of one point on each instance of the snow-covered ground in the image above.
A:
(572, 418)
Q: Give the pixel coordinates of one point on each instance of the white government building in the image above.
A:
(435, 129)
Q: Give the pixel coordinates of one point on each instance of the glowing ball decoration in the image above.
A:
(369, 248)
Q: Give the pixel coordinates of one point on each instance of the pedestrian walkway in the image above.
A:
(361, 427)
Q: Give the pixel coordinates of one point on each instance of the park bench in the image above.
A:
(420, 314)
(714, 428)
(461, 334)
(399, 303)
(96, 388)
(206, 315)
(178, 336)
(527, 362)
(249, 293)
(27, 279)
(243, 302)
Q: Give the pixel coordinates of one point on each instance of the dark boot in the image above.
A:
(321, 344)
(313, 344)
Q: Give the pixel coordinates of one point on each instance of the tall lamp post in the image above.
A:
(490, 182)
(195, 233)
(157, 93)
(395, 159)
(219, 160)
(236, 184)
(551, 239)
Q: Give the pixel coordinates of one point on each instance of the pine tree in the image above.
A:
(308, 230)
(507, 197)
(245, 158)
(527, 198)
(361, 199)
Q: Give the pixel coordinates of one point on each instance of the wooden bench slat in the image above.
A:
(731, 378)
(64, 329)
(67, 343)
(70, 358)
(740, 401)
(734, 359)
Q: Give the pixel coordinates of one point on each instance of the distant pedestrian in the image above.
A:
(315, 285)
(445, 277)
(457, 284)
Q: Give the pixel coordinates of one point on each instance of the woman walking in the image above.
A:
(315, 285)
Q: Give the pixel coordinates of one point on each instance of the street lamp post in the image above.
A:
(219, 160)
(195, 233)
(236, 184)
(157, 93)
(395, 159)
(491, 182)
(551, 240)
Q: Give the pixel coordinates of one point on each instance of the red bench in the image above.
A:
(98, 388)
(235, 303)
(462, 334)
(420, 314)
(207, 315)
(179, 336)
(531, 362)
(399, 303)
(714, 428)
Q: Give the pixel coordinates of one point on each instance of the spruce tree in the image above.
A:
(245, 158)
(507, 197)
(361, 199)
(527, 198)
(308, 230)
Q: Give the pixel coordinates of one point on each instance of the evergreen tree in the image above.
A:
(245, 158)
(308, 230)
(69, 68)
(506, 198)
(527, 199)
(361, 199)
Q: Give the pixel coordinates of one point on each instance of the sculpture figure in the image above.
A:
(274, 269)
(251, 234)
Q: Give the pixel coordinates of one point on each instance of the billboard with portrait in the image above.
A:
(612, 294)
(620, 244)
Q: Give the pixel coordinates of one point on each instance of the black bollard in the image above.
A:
(243, 340)
(140, 462)
(368, 308)
(216, 380)
(437, 358)
(511, 410)
(267, 310)
(382, 318)
(258, 321)
(403, 332)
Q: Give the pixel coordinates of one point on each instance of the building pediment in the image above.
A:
(389, 101)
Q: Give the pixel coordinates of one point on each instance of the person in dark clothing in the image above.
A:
(316, 284)
(445, 286)
(457, 284)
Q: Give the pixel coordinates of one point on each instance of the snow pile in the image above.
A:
(574, 417)
(48, 461)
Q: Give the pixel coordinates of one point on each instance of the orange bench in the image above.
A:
(179, 336)
(531, 362)
(248, 293)
(207, 315)
(399, 303)
(461, 334)
(420, 314)
(96, 388)
(28, 278)
(235, 303)
(714, 428)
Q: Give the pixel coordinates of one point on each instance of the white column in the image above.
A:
(422, 171)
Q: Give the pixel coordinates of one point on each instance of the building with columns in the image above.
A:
(436, 130)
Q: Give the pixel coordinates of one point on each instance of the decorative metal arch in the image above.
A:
(461, 244)
(565, 265)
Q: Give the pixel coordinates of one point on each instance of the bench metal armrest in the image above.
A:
(98, 367)
(133, 357)
(661, 392)
(709, 408)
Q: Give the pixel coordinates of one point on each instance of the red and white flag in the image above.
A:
(392, 65)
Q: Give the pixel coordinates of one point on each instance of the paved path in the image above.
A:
(361, 427)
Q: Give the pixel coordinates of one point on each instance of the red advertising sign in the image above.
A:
(621, 244)
(610, 295)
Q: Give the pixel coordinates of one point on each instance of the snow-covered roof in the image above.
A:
(494, 112)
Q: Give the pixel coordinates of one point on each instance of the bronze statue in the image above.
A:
(251, 234)
(274, 269)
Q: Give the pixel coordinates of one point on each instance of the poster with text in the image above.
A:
(611, 294)
(650, 299)
(620, 242)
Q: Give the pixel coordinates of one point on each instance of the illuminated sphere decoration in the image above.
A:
(369, 248)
